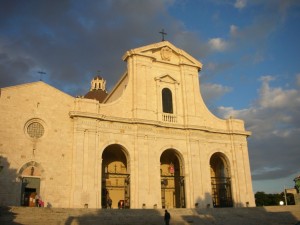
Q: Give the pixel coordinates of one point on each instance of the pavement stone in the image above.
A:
(281, 215)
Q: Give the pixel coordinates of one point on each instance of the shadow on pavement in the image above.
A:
(7, 216)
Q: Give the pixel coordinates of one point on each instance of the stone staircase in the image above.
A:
(277, 215)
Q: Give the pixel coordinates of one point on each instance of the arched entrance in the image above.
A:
(115, 177)
(220, 181)
(30, 174)
(172, 180)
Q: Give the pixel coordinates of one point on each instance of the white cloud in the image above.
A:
(266, 169)
(211, 66)
(282, 133)
(189, 41)
(61, 39)
(218, 44)
(274, 122)
(277, 97)
(240, 4)
(233, 30)
(212, 92)
(270, 17)
(267, 78)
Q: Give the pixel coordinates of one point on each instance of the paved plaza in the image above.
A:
(284, 215)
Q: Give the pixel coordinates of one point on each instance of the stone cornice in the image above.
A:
(101, 117)
(144, 52)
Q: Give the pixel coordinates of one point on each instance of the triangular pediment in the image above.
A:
(167, 79)
(34, 86)
(164, 52)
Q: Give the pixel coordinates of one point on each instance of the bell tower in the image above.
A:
(98, 83)
(97, 90)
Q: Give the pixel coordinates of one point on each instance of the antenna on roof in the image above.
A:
(41, 74)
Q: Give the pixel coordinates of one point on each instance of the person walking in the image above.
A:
(109, 202)
(167, 217)
(37, 199)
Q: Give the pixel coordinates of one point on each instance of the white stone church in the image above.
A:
(149, 143)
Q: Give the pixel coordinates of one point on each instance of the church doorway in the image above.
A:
(220, 181)
(115, 177)
(172, 180)
(30, 176)
(30, 188)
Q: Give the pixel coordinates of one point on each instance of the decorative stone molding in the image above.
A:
(166, 53)
(35, 128)
(167, 79)
(34, 168)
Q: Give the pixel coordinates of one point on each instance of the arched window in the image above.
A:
(167, 101)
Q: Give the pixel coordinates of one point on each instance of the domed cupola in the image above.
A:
(97, 90)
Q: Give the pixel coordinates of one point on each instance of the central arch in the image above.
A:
(172, 180)
(115, 177)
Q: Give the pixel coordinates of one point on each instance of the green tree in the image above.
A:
(263, 199)
(297, 183)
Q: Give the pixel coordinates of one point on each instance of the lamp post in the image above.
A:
(285, 196)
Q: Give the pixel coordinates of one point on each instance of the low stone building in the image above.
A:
(149, 143)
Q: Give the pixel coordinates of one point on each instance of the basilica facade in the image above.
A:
(149, 143)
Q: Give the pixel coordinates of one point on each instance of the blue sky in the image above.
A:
(249, 49)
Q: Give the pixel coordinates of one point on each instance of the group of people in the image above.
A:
(121, 204)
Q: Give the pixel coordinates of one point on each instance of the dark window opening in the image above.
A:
(167, 101)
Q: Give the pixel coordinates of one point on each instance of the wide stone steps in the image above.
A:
(279, 215)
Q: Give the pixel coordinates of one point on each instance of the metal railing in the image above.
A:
(170, 118)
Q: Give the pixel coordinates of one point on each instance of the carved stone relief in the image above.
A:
(166, 53)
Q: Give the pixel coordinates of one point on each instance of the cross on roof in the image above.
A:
(41, 74)
(98, 72)
(162, 32)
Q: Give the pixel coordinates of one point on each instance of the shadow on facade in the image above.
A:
(9, 183)
(205, 202)
(8, 186)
